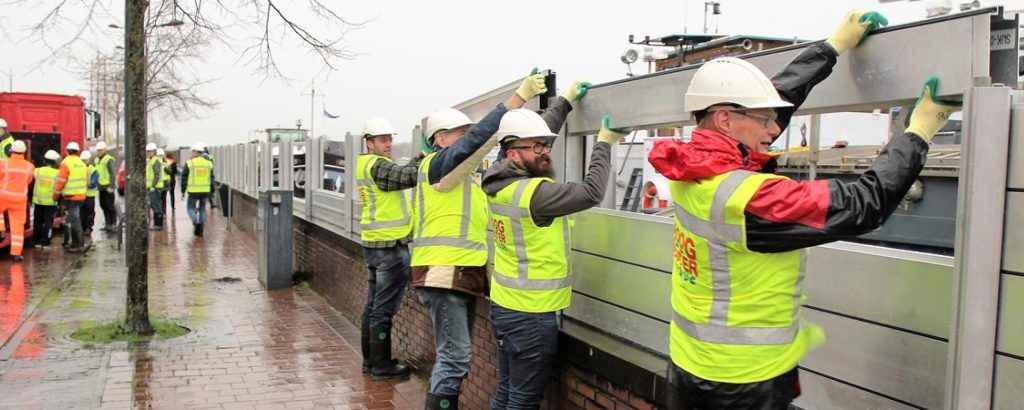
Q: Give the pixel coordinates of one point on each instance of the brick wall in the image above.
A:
(337, 271)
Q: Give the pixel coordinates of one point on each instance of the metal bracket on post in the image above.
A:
(266, 166)
(353, 147)
(979, 235)
(313, 175)
(815, 146)
(285, 166)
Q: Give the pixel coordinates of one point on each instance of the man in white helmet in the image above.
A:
(737, 333)
(529, 217)
(107, 170)
(197, 179)
(6, 139)
(72, 184)
(386, 226)
(155, 185)
(44, 207)
(16, 174)
(449, 248)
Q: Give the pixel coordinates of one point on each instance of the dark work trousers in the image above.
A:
(527, 344)
(170, 191)
(74, 223)
(88, 213)
(694, 393)
(388, 275)
(156, 206)
(107, 205)
(42, 223)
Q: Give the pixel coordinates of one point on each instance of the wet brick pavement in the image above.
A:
(248, 349)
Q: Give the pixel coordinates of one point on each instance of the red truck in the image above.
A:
(45, 122)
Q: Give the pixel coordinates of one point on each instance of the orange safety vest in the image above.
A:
(15, 176)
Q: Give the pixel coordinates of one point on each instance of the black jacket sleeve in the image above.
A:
(854, 208)
(795, 81)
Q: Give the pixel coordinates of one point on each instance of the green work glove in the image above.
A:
(930, 114)
(532, 86)
(854, 28)
(577, 90)
(609, 134)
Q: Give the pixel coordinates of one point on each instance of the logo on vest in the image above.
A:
(362, 194)
(685, 257)
(499, 232)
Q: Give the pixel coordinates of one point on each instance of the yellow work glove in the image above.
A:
(930, 114)
(609, 134)
(532, 86)
(577, 90)
(854, 28)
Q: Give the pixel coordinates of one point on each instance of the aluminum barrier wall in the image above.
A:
(905, 329)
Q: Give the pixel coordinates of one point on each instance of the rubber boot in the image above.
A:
(383, 367)
(195, 229)
(201, 226)
(365, 338)
(439, 402)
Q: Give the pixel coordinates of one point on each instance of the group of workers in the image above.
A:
(74, 182)
(197, 180)
(741, 231)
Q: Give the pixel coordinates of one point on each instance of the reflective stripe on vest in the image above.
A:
(45, 182)
(531, 266)
(91, 192)
(733, 338)
(150, 176)
(103, 168)
(78, 176)
(199, 171)
(14, 178)
(438, 243)
(385, 215)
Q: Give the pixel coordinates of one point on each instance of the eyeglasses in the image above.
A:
(537, 147)
(766, 120)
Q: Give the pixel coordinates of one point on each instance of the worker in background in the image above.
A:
(171, 179)
(106, 169)
(91, 192)
(166, 178)
(449, 250)
(44, 205)
(155, 185)
(197, 180)
(209, 157)
(531, 228)
(386, 227)
(15, 176)
(6, 139)
(72, 184)
(737, 332)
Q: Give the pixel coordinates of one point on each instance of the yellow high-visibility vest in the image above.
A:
(385, 214)
(449, 228)
(3, 146)
(736, 313)
(150, 176)
(531, 263)
(78, 176)
(103, 167)
(199, 172)
(45, 182)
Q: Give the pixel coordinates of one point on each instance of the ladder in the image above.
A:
(631, 199)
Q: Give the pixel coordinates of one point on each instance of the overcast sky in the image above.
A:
(417, 56)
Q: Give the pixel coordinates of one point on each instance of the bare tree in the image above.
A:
(264, 24)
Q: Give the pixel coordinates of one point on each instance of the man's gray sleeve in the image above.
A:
(156, 173)
(555, 115)
(111, 171)
(557, 199)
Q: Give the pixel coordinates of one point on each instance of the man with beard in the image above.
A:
(531, 280)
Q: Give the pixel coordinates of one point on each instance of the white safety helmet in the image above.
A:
(522, 123)
(3, 123)
(72, 146)
(198, 147)
(86, 155)
(52, 155)
(730, 80)
(445, 119)
(377, 126)
(19, 147)
(160, 152)
(101, 145)
(151, 147)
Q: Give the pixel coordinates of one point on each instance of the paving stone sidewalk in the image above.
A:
(248, 349)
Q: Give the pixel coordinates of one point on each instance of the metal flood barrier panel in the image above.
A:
(905, 329)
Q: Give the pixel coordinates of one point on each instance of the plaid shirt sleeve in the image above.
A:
(393, 177)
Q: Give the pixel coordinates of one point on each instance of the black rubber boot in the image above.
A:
(439, 402)
(201, 226)
(383, 367)
(365, 338)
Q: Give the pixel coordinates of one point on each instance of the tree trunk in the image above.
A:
(137, 309)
